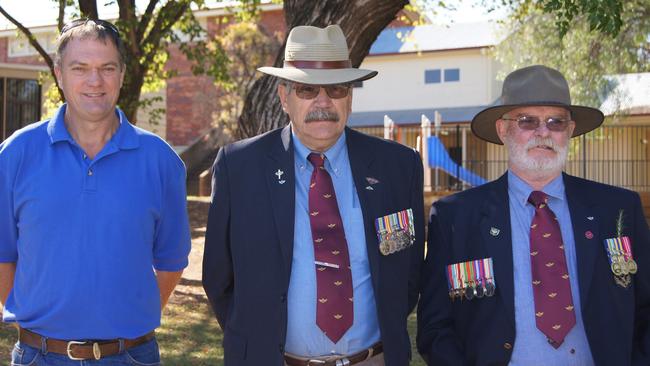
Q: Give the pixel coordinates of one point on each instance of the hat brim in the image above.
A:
(319, 76)
(484, 123)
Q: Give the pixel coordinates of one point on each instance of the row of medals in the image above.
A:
(622, 268)
(395, 241)
(474, 289)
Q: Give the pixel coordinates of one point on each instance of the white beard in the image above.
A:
(539, 167)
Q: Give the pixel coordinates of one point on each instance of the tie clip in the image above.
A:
(325, 264)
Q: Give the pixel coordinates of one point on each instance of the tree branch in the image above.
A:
(34, 42)
(146, 18)
(88, 9)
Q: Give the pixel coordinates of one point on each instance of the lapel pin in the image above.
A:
(372, 180)
(370, 188)
(279, 173)
(589, 234)
(494, 231)
(590, 218)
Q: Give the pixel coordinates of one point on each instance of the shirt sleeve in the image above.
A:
(8, 223)
(172, 242)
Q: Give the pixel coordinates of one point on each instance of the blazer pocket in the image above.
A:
(234, 344)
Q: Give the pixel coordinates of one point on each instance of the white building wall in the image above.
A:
(401, 82)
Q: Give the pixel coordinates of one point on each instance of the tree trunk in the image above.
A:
(361, 20)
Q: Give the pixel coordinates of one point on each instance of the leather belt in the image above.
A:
(81, 350)
(353, 359)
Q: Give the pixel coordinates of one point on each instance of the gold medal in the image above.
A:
(631, 266)
(616, 268)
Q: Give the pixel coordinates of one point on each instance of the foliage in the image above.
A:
(246, 47)
(602, 15)
(585, 56)
(147, 34)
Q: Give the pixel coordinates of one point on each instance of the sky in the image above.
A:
(41, 12)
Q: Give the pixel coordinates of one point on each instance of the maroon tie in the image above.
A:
(554, 311)
(334, 307)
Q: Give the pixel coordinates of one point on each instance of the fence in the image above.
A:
(617, 155)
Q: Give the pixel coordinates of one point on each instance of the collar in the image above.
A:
(520, 190)
(335, 155)
(124, 138)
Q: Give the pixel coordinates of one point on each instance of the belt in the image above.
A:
(81, 350)
(353, 359)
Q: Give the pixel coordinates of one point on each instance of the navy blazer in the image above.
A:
(482, 331)
(249, 241)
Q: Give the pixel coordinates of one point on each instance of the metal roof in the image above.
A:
(425, 38)
(627, 93)
(413, 116)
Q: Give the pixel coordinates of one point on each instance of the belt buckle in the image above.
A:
(343, 362)
(97, 352)
(316, 362)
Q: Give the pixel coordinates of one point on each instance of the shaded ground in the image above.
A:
(189, 334)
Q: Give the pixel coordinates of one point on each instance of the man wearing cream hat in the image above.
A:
(537, 267)
(315, 234)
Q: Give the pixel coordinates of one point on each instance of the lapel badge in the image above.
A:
(372, 180)
(494, 231)
(590, 218)
(589, 234)
(370, 188)
(279, 173)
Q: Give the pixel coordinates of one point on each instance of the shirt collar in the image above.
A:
(521, 190)
(125, 137)
(335, 154)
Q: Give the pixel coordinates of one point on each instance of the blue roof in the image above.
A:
(413, 116)
(435, 38)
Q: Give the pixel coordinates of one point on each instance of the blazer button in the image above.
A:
(283, 298)
(282, 348)
(507, 345)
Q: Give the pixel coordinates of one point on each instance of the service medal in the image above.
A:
(631, 266)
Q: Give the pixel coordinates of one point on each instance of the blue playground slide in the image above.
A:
(439, 158)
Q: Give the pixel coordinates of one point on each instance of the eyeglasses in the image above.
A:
(307, 91)
(83, 21)
(530, 123)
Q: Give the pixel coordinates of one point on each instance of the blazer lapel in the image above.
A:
(496, 232)
(370, 196)
(585, 234)
(280, 181)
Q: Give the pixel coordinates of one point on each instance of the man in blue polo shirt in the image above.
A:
(94, 233)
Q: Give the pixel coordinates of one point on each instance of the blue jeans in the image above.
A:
(146, 354)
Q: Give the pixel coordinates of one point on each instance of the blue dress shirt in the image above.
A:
(304, 337)
(531, 347)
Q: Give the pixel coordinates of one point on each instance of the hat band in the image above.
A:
(346, 64)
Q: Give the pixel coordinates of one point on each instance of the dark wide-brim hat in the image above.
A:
(534, 86)
(318, 56)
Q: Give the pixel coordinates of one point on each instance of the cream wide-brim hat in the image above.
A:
(318, 56)
(534, 86)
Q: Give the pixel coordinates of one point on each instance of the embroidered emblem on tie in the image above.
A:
(334, 309)
(551, 290)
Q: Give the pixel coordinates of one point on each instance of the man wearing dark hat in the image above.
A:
(315, 233)
(537, 267)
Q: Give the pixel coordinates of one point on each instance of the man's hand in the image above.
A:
(167, 281)
(7, 272)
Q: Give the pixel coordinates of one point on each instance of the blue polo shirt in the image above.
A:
(86, 234)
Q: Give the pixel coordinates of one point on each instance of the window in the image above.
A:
(19, 46)
(20, 104)
(432, 76)
(452, 75)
